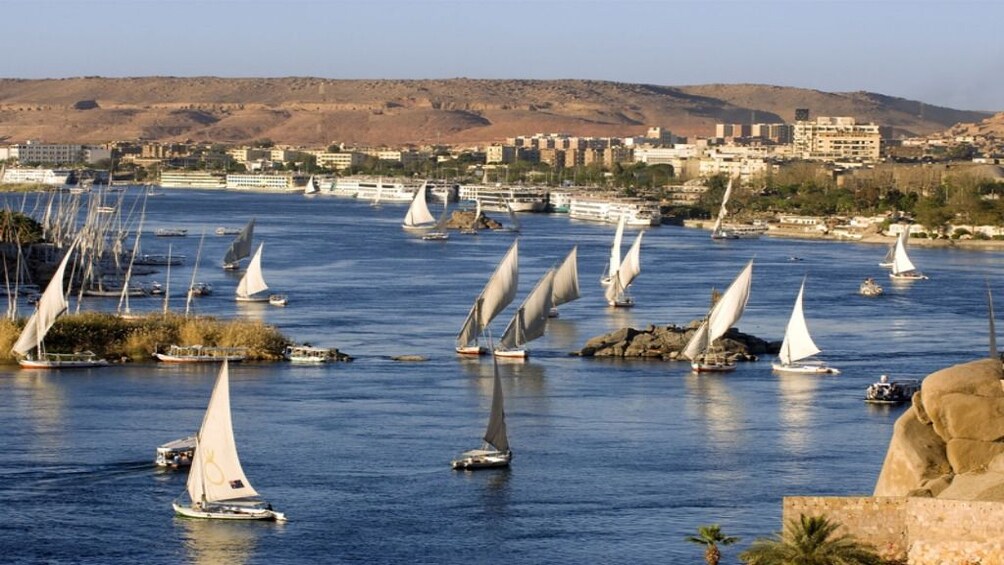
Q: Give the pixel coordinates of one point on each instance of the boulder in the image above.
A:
(666, 342)
(916, 454)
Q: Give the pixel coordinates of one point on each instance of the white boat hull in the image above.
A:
(512, 353)
(481, 459)
(198, 358)
(723, 367)
(912, 276)
(472, 350)
(57, 364)
(804, 369)
(251, 299)
(230, 513)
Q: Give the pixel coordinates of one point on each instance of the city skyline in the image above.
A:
(936, 52)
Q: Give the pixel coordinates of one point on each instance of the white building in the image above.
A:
(837, 138)
(192, 179)
(50, 177)
(56, 153)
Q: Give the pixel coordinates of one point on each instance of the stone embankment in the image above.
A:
(667, 343)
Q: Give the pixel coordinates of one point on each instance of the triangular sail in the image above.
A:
(499, 292)
(724, 313)
(216, 473)
(615, 250)
(722, 211)
(512, 217)
(241, 246)
(311, 187)
(418, 213)
(797, 344)
(495, 434)
(253, 281)
(629, 269)
(901, 262)
(530, 319)
(566, 279)
(50, 306)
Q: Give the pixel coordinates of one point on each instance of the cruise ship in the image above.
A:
(637, 212)
(256, 182)
(50, 177)
(495, 198)
(375, 189)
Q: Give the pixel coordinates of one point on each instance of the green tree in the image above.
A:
(810, 540)
(711, 536)
(16, 227)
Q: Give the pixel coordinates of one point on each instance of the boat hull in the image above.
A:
(475, 460)
(50, 364)
(230, 513)
(198, 358)
(471, 350)
(907, 277)
(713, 367)
(804, 369)
(251, 299)
(512, 353)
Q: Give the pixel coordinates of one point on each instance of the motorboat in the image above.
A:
(228, 231)
(202, 354)
(201, 289)
(278, 299)
(307, 355)
(870, 288)
(176, 454)
(171, 232)
(885, 391)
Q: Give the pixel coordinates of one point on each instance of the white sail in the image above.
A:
(797, 344)
(418, 213)
(50, 306)
(311, 187)
(495, 433)
(615, 251)
(512, 218)
(901, 262)
(530, 319)
(724, 314)
(629, 269)
(499, 291)
(566, 279)
(253, 281)
(722, 211)
(216, 474)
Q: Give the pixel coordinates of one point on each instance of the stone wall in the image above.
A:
(921, 531)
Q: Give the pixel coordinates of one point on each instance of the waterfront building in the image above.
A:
(340, 160)
(192, 179)
(34, 152)
(49, 177)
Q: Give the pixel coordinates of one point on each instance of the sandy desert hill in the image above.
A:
(315, 111)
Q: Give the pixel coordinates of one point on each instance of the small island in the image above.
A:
(666, 343)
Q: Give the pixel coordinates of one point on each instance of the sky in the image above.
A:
(941, 52)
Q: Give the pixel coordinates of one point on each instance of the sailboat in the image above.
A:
(473, 228)
(438, 232)
(798, 345)
(720, 231)
(418, 216)
(239, 248)
(566, 282)
(217, 486)
(515, 225)
(499, 291)
(529, 321)
(123, 307)
(616, 292)
(311, 188)
(50, 306)
(904, 235)
(253, 283)
(495, 451)
(704, 353)
(615, 253)
(902, 268)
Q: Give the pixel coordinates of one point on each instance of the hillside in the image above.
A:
(990, 127)
(314, 111)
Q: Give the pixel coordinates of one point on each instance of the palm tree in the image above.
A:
(710, 536)
(810, 540)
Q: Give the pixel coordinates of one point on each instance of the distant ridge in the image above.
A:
(316, 111)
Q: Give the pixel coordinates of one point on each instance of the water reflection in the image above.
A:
(40, 400)
(562, 334)
(711, 398)
(797, 393)
(213, 542)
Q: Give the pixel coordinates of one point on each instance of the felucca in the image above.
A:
(705, 354)
(217, 486)
(566, 282)
(495, 451)
(30, 345)
(252, 286)
(499, 291)
(239, 248)
(616, 292)
(615, 254)
(418, 216)
(529, 321)
(902, 268)
(798, 345)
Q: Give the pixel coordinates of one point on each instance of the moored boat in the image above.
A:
(885, 391)
(202, 354)
(307, 354)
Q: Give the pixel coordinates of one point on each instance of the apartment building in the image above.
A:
(54, 153)
(837, 139)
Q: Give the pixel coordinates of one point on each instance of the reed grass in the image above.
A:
(115, 338)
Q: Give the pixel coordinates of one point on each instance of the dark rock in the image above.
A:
(666, 342)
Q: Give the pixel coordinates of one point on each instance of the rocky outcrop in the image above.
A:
(950, 443)
(464, 219)
(666, 342)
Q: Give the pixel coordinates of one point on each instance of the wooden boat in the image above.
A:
(616, 292)
(495, 452)
(498, 292)
(202, 354)
(252, 286)
(240, 247)
(798, 345)
(529, 321)
(704, 353)
(278, 299)
(307, 354)
(615, 253)
(566, 282)
(176, 454)
(217, 487)
(902, 268)
(418, 217)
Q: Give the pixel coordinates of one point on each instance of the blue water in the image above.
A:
(615, 461)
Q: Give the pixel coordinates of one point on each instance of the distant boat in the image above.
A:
(615, 254)
(870, 288)
(721, 231)
(438, 231)
(705, 354)
(171, 232)
(278, 299)
(311, 188)
(217, 486)
(566, 282)
(306, 354)
(253, 284)
(798, 345)
(418, 216)
(499, 291)
(239, 248)
(885, 391)
(495, 451)
(529, 321)
(176, 454)
(30, 345)
(616, 292)
(904, 235)
(223, 230)
(902, 268)
(202, 354)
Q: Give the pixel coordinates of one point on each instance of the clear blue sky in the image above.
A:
(937, 51)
